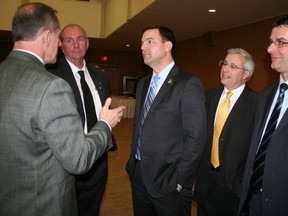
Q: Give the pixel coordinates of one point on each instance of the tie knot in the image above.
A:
(155, 80)
(283, 87)
(229, 94)
(81, 73)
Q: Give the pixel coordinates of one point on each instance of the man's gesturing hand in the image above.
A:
(111, 116)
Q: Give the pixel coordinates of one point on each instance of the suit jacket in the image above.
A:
(275, 187)
(173, 134)
(41, 140)
(99, 78)
(233, 142)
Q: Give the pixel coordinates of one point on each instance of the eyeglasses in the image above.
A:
(277, 43)
(232, 66)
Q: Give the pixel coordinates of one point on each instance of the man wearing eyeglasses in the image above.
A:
(222, 166)
(265, 188)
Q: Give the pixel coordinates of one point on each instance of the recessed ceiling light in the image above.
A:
(127, 45)
(212, 10)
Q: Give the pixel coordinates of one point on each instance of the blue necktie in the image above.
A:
(148, 102)
(259, 163)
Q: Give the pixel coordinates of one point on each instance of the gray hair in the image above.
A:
(31, 19)
(249, 64)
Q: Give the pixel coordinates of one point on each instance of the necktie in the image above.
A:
(223, 112)
(148, 102)
(259, 163)
(88, 102)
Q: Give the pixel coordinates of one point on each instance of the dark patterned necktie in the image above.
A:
(259, 163)
(148, 102)
(88, 102)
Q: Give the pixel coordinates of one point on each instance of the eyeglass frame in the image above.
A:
(232, 66)
(277, 43)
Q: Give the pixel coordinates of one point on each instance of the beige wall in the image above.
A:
(197, 55)
(99, 20)
(118, 12)
(68, 12)
(7, 10)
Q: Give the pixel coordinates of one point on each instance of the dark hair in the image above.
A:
(31, 19)
(166, 34)
(280, 22)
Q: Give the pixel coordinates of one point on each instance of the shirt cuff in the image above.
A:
(106, 123)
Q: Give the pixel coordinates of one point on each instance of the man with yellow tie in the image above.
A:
(230, 116)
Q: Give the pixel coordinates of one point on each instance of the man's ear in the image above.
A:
(60, 45)
(246, 75)
(46, 37)
(168, 45)
(87, 43)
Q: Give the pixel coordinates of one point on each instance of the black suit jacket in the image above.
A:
(100, 79)
(275, 187)
(233, 142)
(90, 186)
(173, 135)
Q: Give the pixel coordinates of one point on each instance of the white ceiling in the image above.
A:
(190, 18)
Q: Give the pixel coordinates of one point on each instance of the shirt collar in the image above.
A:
(282, 81)
(27, 51)
(236, 91)
(74, 68)
(164, 73)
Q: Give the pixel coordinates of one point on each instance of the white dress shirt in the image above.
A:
(92, 87)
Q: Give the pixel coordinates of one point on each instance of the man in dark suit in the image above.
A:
(74, 44)
(265, 187)
(167, 145)
(217, 187)
(41, 136)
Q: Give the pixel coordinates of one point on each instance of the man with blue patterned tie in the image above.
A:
(169, 132)
(265, 180)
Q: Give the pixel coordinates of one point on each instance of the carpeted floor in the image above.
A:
(118, 200)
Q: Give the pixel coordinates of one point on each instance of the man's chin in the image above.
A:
(52, 61)
(224, 80)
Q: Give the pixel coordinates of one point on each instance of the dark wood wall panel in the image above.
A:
(199, 56)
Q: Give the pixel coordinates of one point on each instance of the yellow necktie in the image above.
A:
(223, 112)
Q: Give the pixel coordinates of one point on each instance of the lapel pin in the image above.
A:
(170, 81)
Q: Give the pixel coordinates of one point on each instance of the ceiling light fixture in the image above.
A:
(212, 10)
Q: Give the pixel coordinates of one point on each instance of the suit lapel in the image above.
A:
(68, 75)
(141, 96)
(167, 84)
(283, 121)
(267, 107)
(240, 103)
(97, 82)
(144, 92)
(214, 104)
